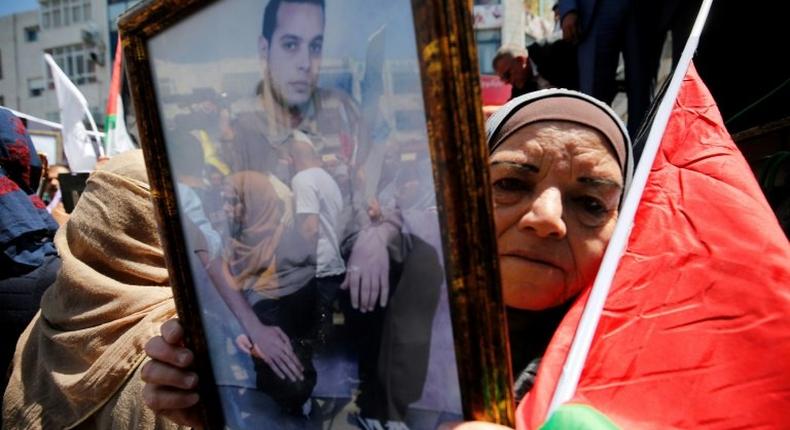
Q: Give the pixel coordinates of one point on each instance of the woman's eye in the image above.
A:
(592, 205)
(510, 185)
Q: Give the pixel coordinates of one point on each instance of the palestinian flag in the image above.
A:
(688, 323)
(117, 139)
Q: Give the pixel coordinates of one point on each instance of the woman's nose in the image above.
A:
(544, 216)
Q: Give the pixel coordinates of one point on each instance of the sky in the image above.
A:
(8, 7)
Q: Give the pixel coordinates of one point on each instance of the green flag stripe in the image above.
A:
(578, 417)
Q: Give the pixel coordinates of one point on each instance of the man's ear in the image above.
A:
(263, 48)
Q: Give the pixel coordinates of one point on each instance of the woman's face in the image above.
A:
(556, 190)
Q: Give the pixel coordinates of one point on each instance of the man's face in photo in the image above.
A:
(293, 56)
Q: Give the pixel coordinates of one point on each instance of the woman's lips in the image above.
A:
(532, 256)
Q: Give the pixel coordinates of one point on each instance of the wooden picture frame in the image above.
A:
(387, 95)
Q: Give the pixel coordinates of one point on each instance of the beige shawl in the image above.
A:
(76, 364)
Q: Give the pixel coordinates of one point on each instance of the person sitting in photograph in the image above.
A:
(290, 49)
(266, 279)
(290, 52)
(318, 208)
(187, 155)
(78, 363)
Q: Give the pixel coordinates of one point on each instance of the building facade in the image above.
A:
(76, 34)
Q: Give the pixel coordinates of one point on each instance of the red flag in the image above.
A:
(115, 80)
(695, 332)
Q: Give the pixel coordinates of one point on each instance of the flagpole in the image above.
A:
(47, 123)
(574, 363)
(95, 133)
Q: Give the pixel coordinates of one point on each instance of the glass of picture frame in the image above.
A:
(319, 174)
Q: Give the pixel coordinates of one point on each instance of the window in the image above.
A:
(488, 42)
(2, 100)
(31, 33)
(60, 13)
(75, 62)
(1, 64)
(35, 87)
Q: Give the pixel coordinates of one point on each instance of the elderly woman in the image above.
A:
(560, 163)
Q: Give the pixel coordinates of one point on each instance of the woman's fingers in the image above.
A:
(155, 372)
(159, 349)
(172, 332)
(159, 397)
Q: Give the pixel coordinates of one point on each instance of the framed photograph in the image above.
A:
(319, 172)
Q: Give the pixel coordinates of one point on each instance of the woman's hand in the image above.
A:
(272, 345)
(472, 425)
(170, 387)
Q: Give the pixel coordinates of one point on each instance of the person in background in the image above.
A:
(318, 206)
(187, 156)
(514, 67)
(28, 259)
(602, 30)
(52, 185)
(78, 363)
(269, 287)
(52, 195)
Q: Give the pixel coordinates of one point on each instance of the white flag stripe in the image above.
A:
(118, 137)
(577, 356)
(77, 145)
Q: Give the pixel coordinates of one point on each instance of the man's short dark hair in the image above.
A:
(270, 14)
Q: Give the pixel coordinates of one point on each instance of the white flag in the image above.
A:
(117, 137)
(77, 144)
